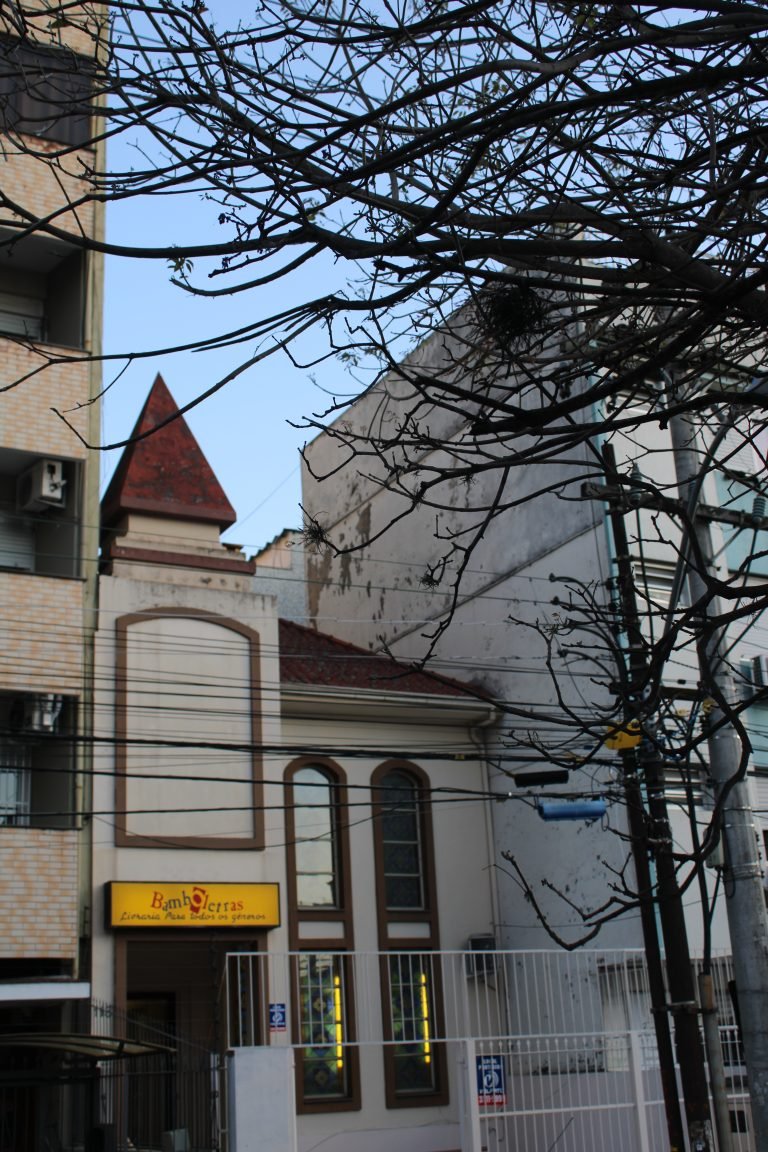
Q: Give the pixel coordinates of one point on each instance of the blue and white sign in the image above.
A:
(491, 1081)
(277, 1018)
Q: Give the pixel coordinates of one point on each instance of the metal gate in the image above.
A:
(169, 1099)
(575, 1092)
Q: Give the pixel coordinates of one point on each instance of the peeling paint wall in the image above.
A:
(546, 539)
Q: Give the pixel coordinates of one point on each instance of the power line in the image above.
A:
(320, 749)
(212, 809)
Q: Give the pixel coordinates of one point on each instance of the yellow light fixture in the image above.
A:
(338, 1025)
(424, 998)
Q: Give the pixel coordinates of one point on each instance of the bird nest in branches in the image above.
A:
(508, 314)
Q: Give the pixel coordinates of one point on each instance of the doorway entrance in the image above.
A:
(171, 990)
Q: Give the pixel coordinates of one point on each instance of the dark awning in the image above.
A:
(83, 1044)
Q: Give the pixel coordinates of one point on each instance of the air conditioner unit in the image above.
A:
(41, 486)
(480, 956)
(41, 713)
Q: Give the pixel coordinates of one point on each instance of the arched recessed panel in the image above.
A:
(187, 726)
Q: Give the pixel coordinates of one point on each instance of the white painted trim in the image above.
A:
(322, 700)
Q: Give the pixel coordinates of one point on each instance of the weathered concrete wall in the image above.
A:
(280, 573)
(510, 633)
(499, 636)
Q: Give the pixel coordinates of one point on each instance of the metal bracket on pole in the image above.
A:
(620, 497)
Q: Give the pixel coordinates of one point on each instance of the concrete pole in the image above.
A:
(745, 903)
(715, 1061)
(694, 1085)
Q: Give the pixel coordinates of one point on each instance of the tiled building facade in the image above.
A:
(50, 325)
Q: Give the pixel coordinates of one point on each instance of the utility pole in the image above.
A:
(654, 827)
(745, 903)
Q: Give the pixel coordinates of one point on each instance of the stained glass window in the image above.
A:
(322, 999)
(401, 842)
(412, 1015)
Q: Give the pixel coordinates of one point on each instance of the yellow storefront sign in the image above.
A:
(162, 905)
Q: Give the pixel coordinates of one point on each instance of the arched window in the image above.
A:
(401, 842)
(315, 838)
(411, 986)
(320, 915)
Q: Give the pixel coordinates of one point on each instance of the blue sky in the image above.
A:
(244, 429)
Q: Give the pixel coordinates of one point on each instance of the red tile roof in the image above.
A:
(310, 657)
(165, 474)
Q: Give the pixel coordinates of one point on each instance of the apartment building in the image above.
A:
(50, 325)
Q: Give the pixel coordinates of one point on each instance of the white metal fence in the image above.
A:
(556, 1049)
(557, 1092)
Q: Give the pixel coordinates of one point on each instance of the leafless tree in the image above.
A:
(588, 177)
(581, 184)
(567, 199)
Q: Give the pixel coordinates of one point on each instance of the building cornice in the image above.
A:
(323, 702)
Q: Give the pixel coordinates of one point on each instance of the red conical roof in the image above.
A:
(165, 474)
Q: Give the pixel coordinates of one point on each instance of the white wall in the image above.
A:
(399, 727)
(490, 642)
(546, 545)
(203, 653)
